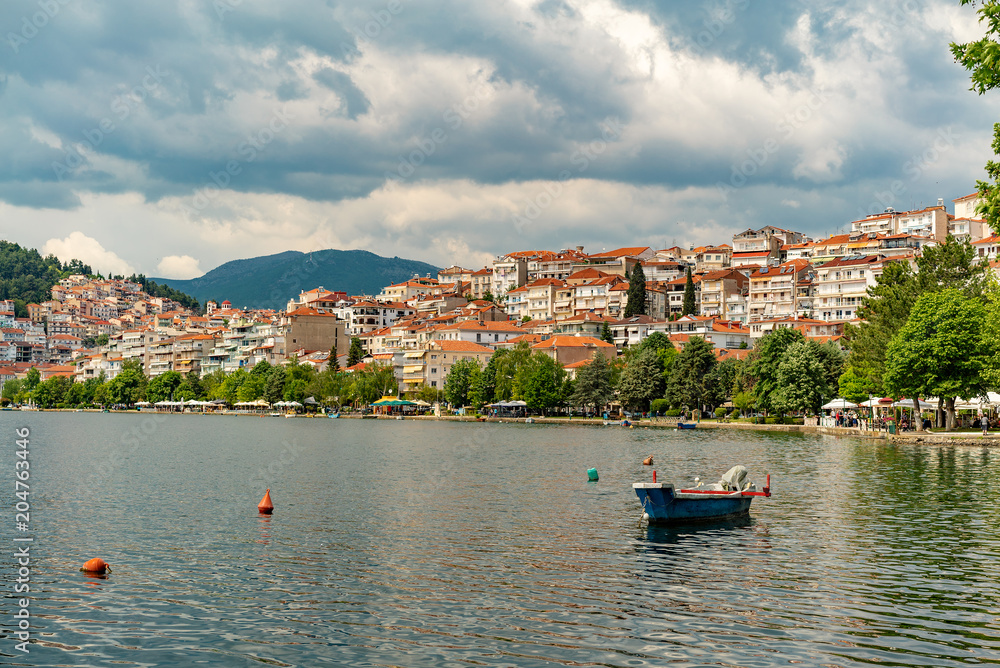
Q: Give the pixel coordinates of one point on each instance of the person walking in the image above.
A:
(986, 424)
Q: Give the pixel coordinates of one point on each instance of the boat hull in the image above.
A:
(686, 425)
(662, 504)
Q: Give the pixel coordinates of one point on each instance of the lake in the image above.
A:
(406, 543)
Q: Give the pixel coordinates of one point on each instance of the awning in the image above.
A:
(415, 368)
(413, 355)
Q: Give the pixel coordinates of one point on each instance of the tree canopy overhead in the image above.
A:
(982, 59)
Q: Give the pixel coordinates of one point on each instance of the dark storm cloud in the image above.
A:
(158, 98)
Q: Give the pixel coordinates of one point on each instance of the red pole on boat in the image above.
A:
(767, 486)
(654, 476)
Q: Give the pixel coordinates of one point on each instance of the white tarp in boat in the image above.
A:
(735, 479)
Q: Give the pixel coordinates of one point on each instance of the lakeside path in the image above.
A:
(915, 438)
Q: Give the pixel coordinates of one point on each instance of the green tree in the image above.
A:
(802, 379)
(942, 350)
(190, 388)
(744, 401)
(763, 367)
(952, 264)
(689, 307)
(506, 381)
(102, 340)
(355, 353)
(855, 387)
(230, 387)
(606, 335)
(543, 382)
(884, 311)
(274, 387)
(636, 304)
(594, 388)
(32, 379)
(163, 386)
(981, 59)
(461, 379)
(720, 382)
(641, 381)
(687, 384)
(129, 386)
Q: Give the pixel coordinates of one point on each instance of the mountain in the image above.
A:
(270, 281)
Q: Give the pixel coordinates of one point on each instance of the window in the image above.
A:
(434, 369)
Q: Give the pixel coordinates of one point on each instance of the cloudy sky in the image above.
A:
(170, 137)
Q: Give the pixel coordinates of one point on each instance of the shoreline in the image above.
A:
(921, 438)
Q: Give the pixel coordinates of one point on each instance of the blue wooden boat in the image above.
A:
(729, 498)
(333, 416)
(686, 425)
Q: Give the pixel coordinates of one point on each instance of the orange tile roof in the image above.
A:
(461, 347)
(569, 341)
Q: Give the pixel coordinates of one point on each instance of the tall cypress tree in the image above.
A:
(636, 293)
(689, 305)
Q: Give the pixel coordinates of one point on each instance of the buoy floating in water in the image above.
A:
(96, 565)
(592, 475)
(648, 461)
(265, 506)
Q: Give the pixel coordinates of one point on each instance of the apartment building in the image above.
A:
(842, 284)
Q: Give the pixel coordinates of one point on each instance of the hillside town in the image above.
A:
(567, 304)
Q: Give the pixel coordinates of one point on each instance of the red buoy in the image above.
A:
(265, 506)
(654, 476)
(96, 565)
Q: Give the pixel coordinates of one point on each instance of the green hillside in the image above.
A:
(270, 281)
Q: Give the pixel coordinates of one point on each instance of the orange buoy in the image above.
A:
(265, 506)
(648, 461)
(96, 565)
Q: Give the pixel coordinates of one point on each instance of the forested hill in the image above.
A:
(270, 281)
(26, 277)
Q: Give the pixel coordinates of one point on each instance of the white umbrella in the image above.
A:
(838, 403)
(293, 404)
(908, 403)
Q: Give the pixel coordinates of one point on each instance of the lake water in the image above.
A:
(404, 543)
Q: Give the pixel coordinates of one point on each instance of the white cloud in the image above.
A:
(791, 203)
(88, 250)
(179, 267)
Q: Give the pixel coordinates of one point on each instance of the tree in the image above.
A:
(763, 367)
(952, 264)
(636, 304)
(460, 380)
(31, 379)
(744, 401)
(833, 360)
(162, 387)
(855, 387)
(884, 311)
(102, 340)
(802, 379)
(355, 353)
(980, 58)
(689, 306)
(190, 388)
(506, 381)
(488, 296)
(129, 386)
(593, 384)
(720, 382)
(543, 382)
(942, 350)
(606, 335)
(641, 381)
(274, 385)
(687, 384)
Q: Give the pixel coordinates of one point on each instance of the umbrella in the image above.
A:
(293, 404)
(310, 401)
(908, 403)
(838, 403)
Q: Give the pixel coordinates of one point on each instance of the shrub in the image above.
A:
(720, 413)
(673, 412)
(659, 406)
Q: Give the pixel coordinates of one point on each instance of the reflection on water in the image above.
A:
(439, 544)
